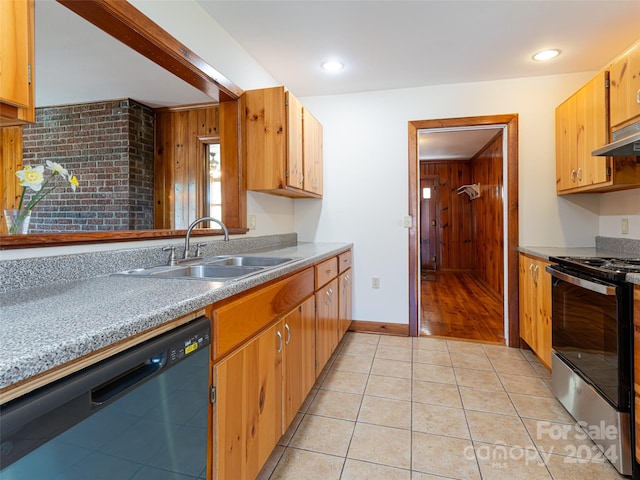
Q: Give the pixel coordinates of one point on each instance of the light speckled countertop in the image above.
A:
(547, 252)
(48, 326)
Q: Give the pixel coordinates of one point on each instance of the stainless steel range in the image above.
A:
(592, 340)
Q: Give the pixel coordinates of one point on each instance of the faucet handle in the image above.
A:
(199, 249)
(173, 259)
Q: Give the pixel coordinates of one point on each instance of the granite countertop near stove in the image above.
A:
(605, 247)
(48, 326)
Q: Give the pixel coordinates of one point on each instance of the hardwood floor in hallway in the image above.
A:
(458, 305)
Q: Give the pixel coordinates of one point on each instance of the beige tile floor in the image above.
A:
(397, 408)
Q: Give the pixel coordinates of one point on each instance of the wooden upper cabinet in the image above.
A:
(581, 127)
(281, 143)
(625, 88)
(16, 59)
(313, 154)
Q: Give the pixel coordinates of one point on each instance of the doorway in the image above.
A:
(506, 197)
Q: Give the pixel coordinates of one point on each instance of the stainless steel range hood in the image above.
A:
(626, 141)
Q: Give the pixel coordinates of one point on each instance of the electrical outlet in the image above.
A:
(251, 222)
(624, 226)
(407, 221)
(375, 282)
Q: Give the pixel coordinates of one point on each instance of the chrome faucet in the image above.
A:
(187, 254)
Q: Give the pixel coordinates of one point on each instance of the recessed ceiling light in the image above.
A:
(332, 66)
(546, 55)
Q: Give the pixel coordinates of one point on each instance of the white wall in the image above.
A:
(366, 179)
(616, 206)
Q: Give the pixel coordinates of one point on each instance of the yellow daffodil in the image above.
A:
(56, 168)
(73, 181)
(31, 177)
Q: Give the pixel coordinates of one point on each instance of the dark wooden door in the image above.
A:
(428, 224)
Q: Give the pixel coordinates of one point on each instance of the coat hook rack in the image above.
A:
(472, 190)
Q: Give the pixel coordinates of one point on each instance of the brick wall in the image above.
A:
(109, 147)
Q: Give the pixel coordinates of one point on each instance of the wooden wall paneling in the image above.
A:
(182, 173)
(234, 204)
(487, 212)
(194, 176)
(10, 163)
(453, 214)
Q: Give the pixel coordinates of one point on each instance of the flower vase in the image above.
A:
(17, 221)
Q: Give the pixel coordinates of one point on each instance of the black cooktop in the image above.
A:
(601, 267)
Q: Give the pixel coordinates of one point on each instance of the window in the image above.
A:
(214, 194)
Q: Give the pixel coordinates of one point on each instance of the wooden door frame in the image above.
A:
(510, 122)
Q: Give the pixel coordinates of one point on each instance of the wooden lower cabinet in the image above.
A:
(326, 323)
(248, 406)
(299, 357)
(345, 284)
(269, 345)
(535, 306)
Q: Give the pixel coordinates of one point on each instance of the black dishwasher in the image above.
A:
(139, 415)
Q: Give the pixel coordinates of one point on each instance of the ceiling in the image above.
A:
(383, 44)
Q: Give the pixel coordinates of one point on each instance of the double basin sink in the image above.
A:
(214, 269)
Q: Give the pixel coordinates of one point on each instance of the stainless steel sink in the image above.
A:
(248, 261)
(214, 269)
(212, 272)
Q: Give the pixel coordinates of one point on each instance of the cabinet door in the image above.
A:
(299, 357)
(542, 280)
(17, 55)
(566, 146)
(345, 300)
(581, 127)
(313, 154)
(326, 323)
(248, 420)
(593, 131)
(625, 87)
(265, 138)
(295, 154)
(527, 302)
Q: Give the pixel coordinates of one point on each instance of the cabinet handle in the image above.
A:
(638, 96)
(280, 343)
(535, 273)
(531, 270)
(286, 327)
(580, 174)
(573, 176)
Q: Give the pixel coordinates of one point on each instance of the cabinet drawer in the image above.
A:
(240, 319)
(325, 271)
(344, 261)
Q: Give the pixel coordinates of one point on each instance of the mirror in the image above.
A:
(93, 61)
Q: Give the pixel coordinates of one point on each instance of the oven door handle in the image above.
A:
(581, 282)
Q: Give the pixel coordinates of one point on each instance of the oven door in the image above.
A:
(591, 332)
